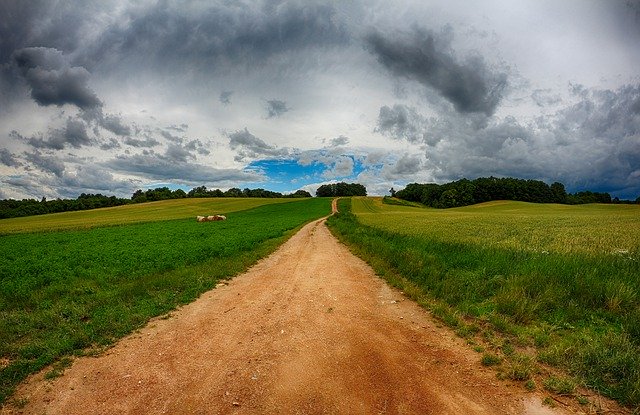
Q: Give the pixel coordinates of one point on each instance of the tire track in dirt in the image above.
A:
(308, 330)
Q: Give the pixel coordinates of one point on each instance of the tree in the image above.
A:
(137, 195)
(178, 194)
(326, 190)
(299, 193)
(341, 189)
(233, 192)
(558, 192)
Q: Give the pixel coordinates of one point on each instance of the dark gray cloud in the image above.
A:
(177, 153)
(90, 179)
(407, 165)
(146, 143)
(52, 80)
(171, 137)
(339, 141)
(197, 146)
(603, 113)
(110, 122)
(158, 167)
(45, 163)
(179, 128)
(276, 108)
(211, 35)
(73, 134)
(110, 144)
(115, 124)
(250, 146)
(8, 158)
(27, 185)
(225, 97)
(592, 144)
(401, 122)
(52, 24)
(545, 97)
(342, 166)
(426, 57)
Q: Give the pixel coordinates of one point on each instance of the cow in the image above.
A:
(201, 218)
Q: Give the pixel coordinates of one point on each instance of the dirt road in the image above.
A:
(308, 330)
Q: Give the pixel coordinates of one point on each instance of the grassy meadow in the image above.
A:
(135, 213)
(531, 283)
(74, 291)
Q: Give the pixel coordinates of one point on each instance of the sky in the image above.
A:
(110, 96)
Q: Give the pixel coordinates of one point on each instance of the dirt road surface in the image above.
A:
(308, 330)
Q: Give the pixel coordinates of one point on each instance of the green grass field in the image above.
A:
(70, 292)
(135, 213)
(561, 280)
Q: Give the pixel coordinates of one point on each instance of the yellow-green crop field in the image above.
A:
(140, 212)
(592, 229)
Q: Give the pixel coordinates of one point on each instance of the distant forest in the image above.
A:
(27, 207)
(468, 192)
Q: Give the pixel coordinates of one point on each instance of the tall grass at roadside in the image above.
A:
(578, 306)
(63, 293)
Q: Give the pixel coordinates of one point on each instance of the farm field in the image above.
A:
(68, 292)
(551, 284)
(310, 329)
(135, 213)
(589, 229)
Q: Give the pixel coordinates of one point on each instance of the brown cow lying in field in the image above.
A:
(211, 218)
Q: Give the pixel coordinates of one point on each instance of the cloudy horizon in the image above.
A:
(114, 96)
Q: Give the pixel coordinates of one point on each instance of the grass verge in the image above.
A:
(578, 312)
(71, 292)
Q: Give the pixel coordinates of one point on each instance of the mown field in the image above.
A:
(75, 291)
(530, 283)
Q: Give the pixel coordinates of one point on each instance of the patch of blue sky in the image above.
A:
(289, 175)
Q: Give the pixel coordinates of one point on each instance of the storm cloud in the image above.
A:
(73, 134)
(52, 80)
(250, 146)
(218, 34)
(45, 163)
(128, 94)
(146, 143)
(165, 168)
(401, 122)
(596, 139)
(426, 57)
(8, 158)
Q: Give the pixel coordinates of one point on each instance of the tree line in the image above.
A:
(466, 192)
(341, 189)
(11, 208)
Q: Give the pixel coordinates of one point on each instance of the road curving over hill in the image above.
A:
(308, 330)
